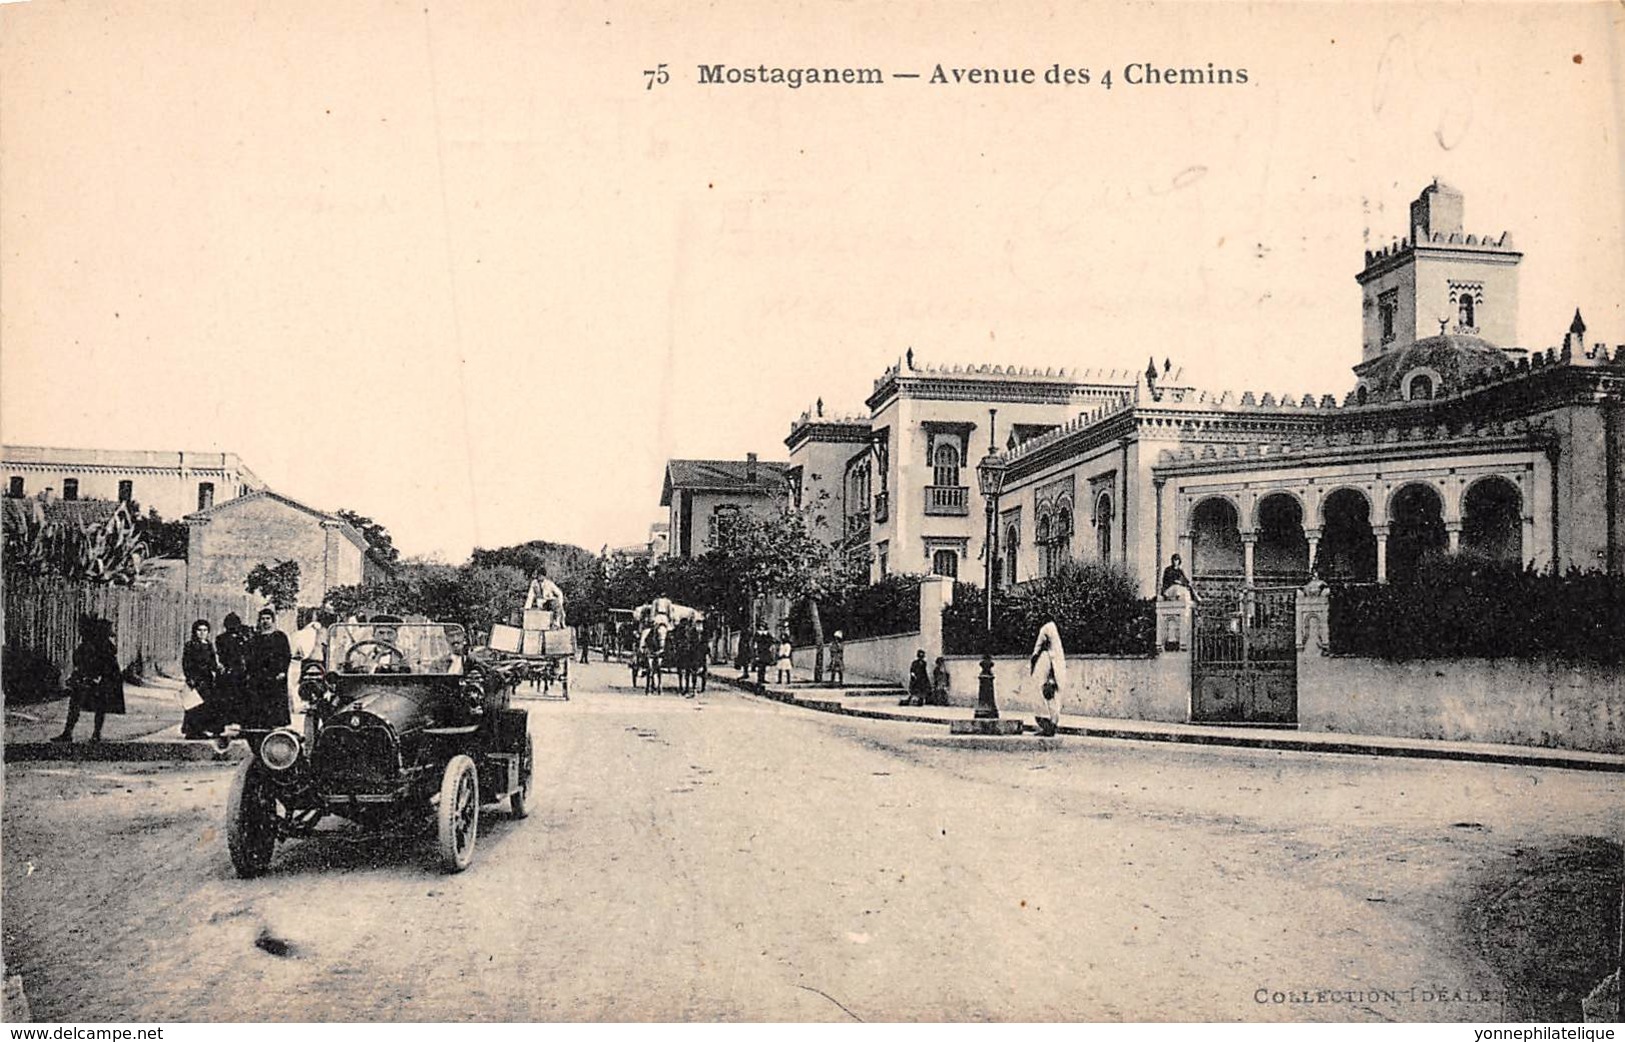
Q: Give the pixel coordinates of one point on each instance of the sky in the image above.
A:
(458, 267)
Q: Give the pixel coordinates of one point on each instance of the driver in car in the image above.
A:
(381, 655)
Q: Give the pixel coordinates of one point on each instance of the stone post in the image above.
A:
(1381, 534)
(1174, 617)
(936, 593)
(1313, 611)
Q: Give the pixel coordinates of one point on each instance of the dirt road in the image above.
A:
(731, 859)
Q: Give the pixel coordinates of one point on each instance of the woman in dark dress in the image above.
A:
(201, 668)
(231, 684)
(919, 681)
(96, 684)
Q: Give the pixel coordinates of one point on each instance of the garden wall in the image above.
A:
(1507, 701)
(1124, 687)
(875, 659)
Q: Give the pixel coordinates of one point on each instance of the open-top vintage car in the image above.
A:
(400, 724)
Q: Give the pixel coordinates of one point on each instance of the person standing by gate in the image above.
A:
(1048, 670)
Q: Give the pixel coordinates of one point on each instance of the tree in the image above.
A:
(379, 542)
(166, 539)
(107, 551)
(777, 555)
(278, 583)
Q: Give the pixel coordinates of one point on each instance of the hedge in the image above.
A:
(1098, 610)
(1459, 607)
(887, 607)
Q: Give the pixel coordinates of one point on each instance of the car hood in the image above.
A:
(405, 703)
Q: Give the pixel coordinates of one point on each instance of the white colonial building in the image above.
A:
(1450, 439)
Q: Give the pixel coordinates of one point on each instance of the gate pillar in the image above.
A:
(1174, 624)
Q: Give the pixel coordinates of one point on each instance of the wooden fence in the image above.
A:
(152, 623)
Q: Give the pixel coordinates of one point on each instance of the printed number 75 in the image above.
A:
(658, 74)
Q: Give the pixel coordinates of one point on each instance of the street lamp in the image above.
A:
(990, 476)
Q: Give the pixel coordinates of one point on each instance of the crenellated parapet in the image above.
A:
(1400, 247)
(1362, 442)
(1083, 421)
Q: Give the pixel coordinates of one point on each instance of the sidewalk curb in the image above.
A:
(1277, 740)
(125, 752)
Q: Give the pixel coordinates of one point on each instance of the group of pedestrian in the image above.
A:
(927, 685)
(240, 679)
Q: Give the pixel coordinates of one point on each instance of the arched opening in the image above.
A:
(1492, 521)
(1416, 531)
(945, 466)
(1421, 388)
(1011, 549)
(1348, 549)
(1060, 543)
(1282, 552)
(1216, 541)
(1104, 519)
(945, 562)
(1466, 312)
(1041, 539)
(1361, 395)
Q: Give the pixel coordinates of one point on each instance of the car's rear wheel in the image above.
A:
(251, 820)
(459, 814)
(519, 799)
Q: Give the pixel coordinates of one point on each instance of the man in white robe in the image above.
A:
(1048, 673)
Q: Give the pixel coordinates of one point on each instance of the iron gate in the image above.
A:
(1244, 660)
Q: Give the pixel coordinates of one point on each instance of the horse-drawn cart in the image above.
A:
(541, 644)
(668, 638)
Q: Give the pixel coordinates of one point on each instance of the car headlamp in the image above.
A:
(280, 750)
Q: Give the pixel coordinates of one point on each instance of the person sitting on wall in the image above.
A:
(1176, 585)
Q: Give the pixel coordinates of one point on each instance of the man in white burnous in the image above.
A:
(1048, 674)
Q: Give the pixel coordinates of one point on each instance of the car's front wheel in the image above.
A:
(459, 814)
(251, 820)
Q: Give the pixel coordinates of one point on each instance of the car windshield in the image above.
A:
(397, 647)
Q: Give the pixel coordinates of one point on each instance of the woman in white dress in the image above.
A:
(1048, 669)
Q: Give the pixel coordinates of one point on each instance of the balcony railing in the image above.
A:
(882, 505)
(947, 501)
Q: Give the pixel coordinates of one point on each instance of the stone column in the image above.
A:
(1249, 540)
(1452, 531)
(1527, 551)
(1381, 532)
(936, 593)
(1313, 536)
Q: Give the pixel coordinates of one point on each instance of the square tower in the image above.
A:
(1439, 280)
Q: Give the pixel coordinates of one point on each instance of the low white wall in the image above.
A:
(874, 659)
(1150, 687)
(1475, 700)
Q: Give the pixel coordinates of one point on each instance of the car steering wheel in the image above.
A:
(349, 666)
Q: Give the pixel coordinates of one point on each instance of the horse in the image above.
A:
(653, 656)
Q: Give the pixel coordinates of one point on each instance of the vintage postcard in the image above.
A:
(812, 512)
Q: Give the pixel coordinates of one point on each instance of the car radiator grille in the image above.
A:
(356, 760)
